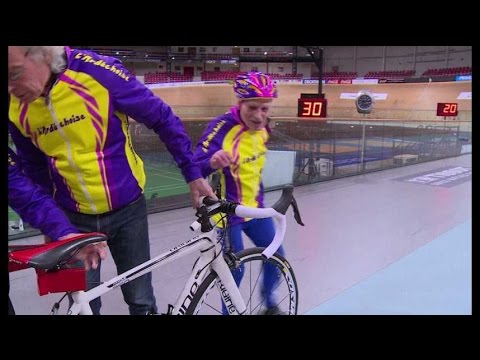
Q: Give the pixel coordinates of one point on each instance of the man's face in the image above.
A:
(254, 113)
(26, 77)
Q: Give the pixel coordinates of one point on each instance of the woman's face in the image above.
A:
(254, 113)
(27, 77)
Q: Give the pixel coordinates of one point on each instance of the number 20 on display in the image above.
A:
(447, 109)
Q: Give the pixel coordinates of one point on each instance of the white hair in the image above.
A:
(58, 62)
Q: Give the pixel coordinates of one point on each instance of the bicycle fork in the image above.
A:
(228, 288)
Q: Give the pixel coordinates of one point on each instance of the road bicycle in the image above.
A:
(210, 289)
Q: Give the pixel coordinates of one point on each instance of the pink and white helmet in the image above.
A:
(254, 85)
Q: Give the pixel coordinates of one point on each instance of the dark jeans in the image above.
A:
(127, 230)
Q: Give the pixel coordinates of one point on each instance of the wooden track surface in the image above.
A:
(404, 101)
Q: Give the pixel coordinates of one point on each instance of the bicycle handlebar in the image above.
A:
(278, 210)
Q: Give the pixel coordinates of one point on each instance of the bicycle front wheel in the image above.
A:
(208, 300)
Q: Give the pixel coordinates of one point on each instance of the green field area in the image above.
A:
(12, 215)
(163, 180)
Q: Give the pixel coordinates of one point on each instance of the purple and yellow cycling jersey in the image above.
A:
(80, 129)
(242, 180)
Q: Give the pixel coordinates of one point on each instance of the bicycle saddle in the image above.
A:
(47, 256)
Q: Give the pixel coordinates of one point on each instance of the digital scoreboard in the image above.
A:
(312, 108)
(447, 109)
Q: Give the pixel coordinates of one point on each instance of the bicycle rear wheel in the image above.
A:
(208, 301)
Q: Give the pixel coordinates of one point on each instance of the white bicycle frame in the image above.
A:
(211, 258)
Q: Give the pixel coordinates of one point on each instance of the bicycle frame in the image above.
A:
(211, 257)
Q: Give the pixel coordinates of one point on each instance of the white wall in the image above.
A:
(399, 58)
(229, 49)
(364, 65)
(378, 58)
(306, 69)
(361, 59)
(141, 68)
(340, 56)
(248, 66)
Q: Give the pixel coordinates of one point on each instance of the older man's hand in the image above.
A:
(200, 187)
(90, 254)
(220, 159)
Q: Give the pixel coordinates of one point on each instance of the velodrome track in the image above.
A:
(406, 101)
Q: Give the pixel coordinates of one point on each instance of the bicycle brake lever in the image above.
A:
(296, 212)
(208, 201)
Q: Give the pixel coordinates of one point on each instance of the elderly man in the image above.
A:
(234, 145)
(68, 119)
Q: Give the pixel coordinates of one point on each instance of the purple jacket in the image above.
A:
(33, 204)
